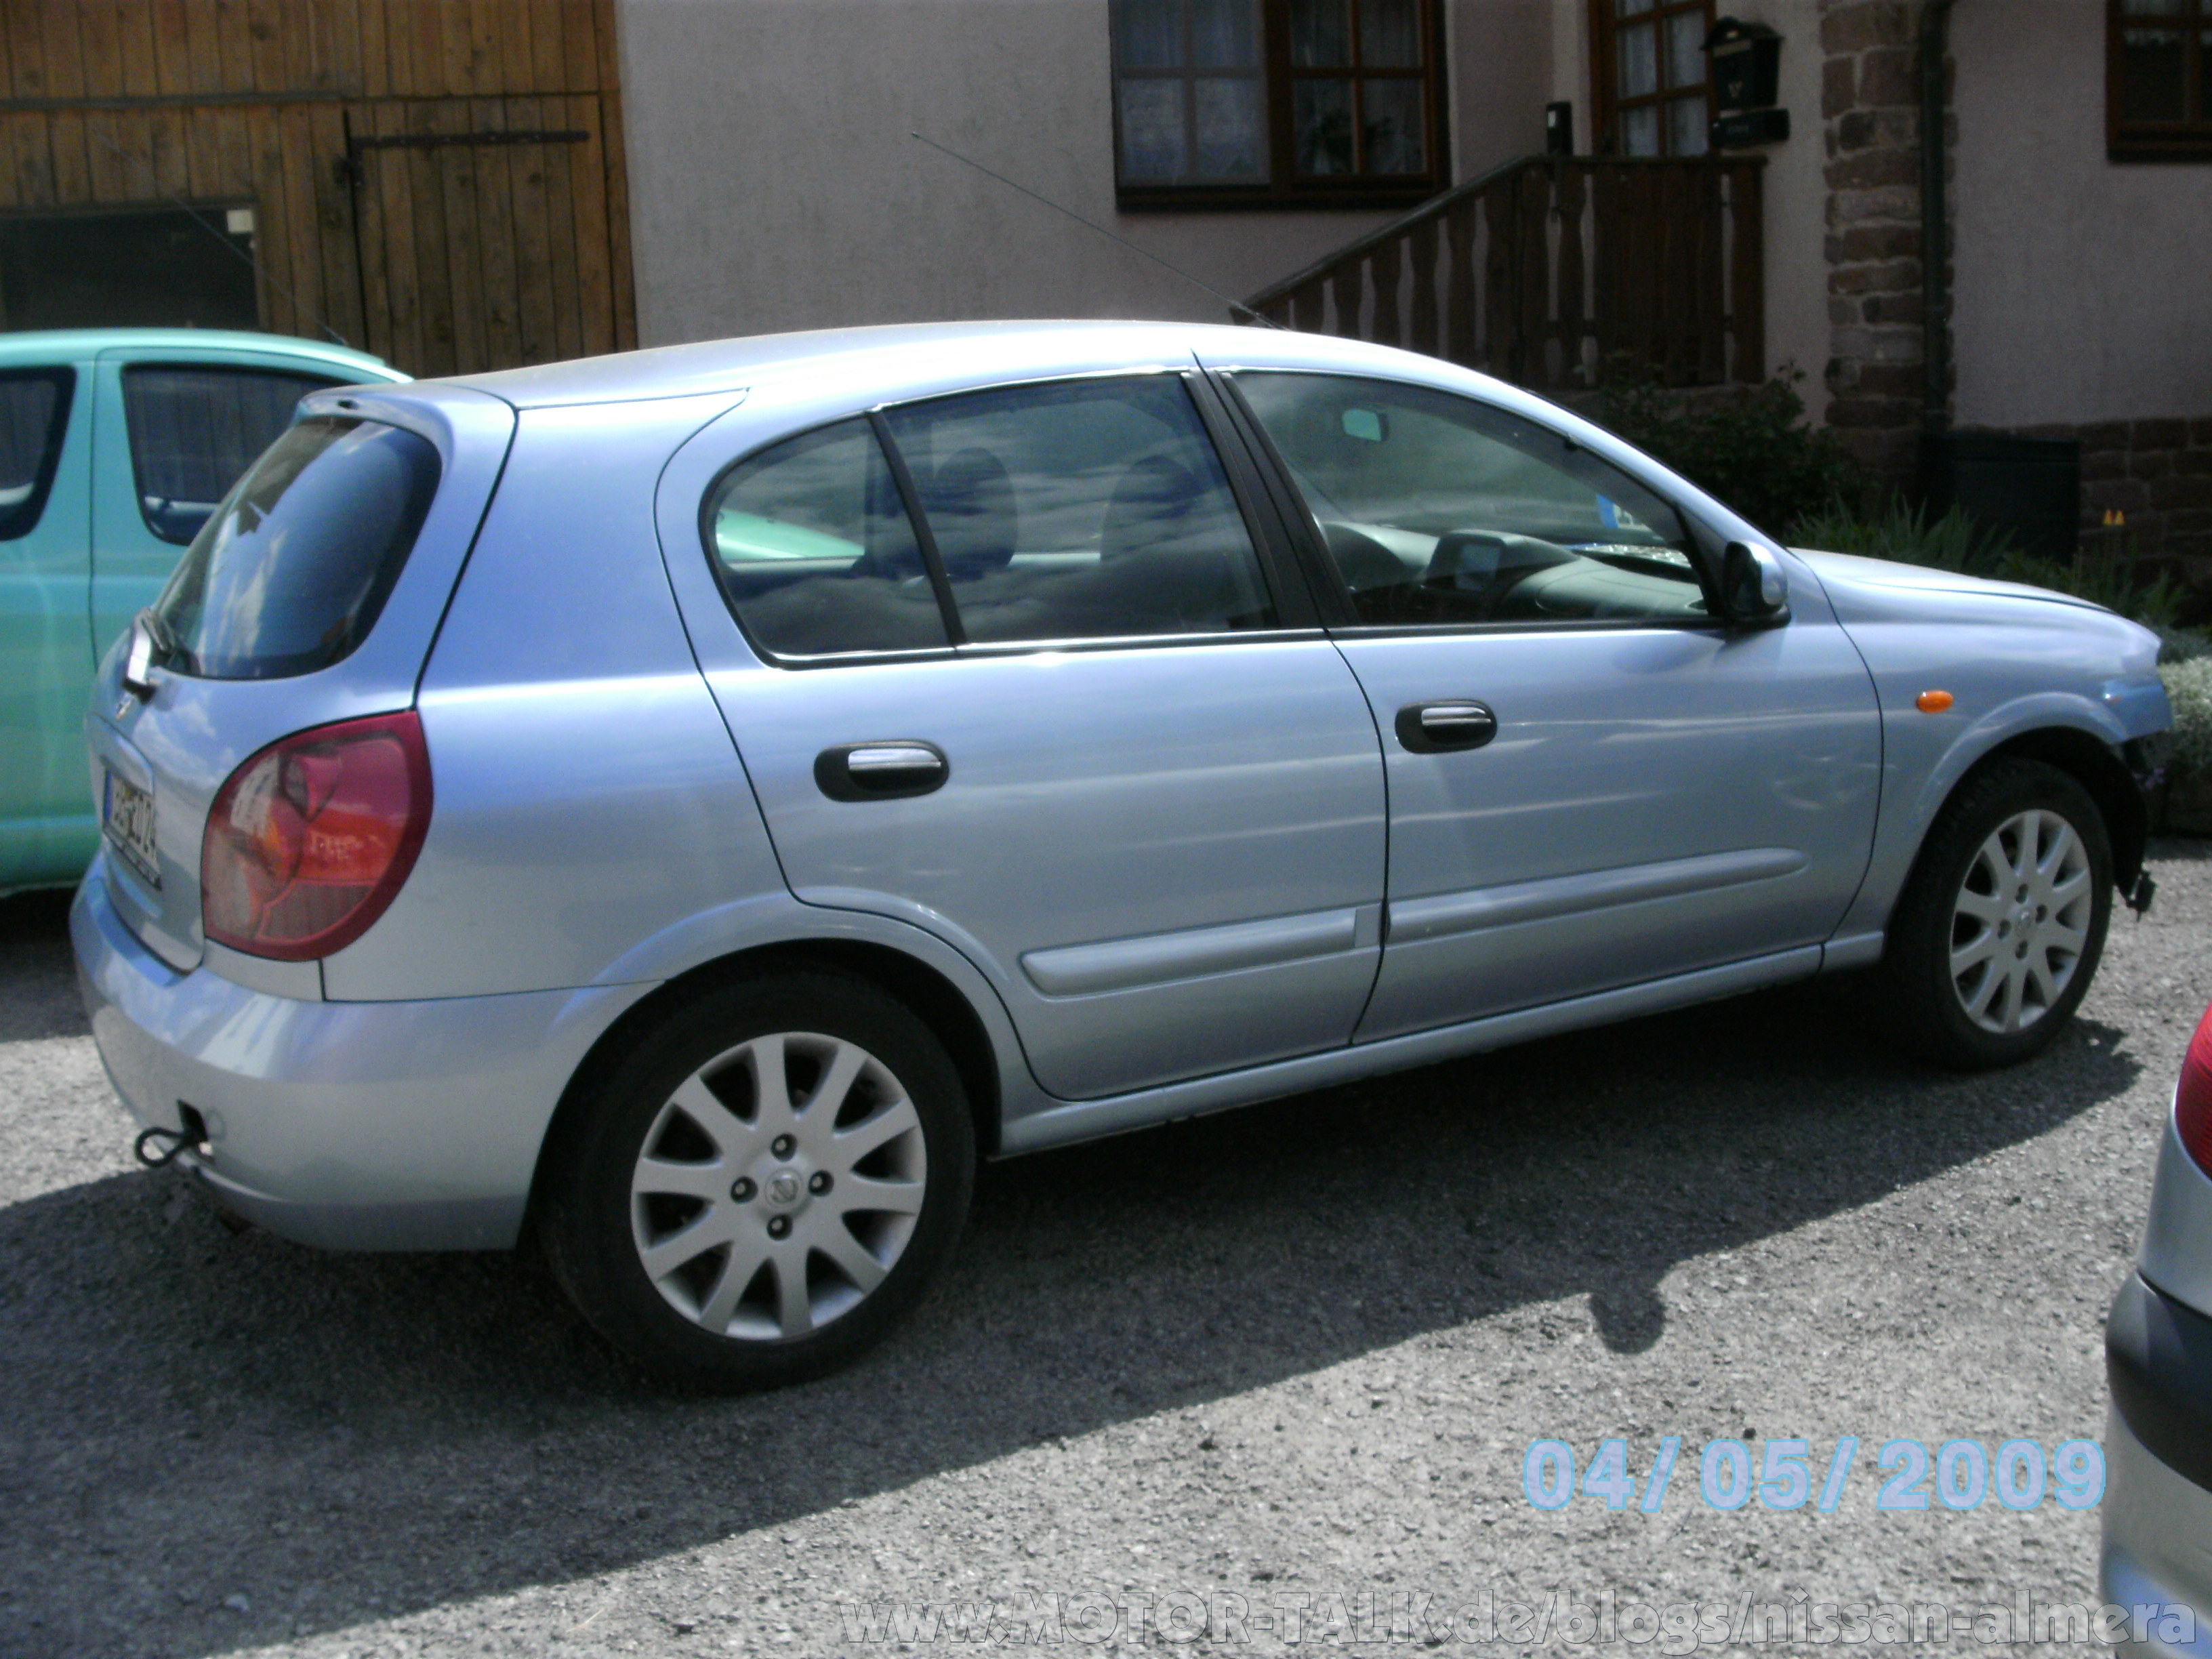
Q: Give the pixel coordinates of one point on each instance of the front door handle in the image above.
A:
(1431, 728)
(890, 770)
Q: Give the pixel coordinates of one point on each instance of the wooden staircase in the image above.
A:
(1554, 271)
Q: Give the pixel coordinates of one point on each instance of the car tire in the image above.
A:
(1999, 930)
(727, 1242)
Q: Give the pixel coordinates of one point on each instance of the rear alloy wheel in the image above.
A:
(2000, 929)
(769, 1181)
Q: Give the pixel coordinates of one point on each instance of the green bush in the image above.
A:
(2104, 572)
(2189, 686)
(1953, 542)
(1754, 452)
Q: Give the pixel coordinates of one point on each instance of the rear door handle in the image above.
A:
(1431, 728)
(888, 770)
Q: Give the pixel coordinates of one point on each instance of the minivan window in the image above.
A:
(1082, 509)
(195, 428)
(288, 574)
(815, 553)
(33, 415)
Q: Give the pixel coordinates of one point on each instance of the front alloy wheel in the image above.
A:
(1995, 938)
(759, 1187)
(2020, 922)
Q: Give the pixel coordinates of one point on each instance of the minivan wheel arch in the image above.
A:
(933, 997)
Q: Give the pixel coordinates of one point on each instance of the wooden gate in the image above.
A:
(439, 182)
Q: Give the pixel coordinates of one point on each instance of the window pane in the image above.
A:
(1633, 7)
(2153, 86)
(1231, 137)
(33, 412)
(815, 551)
(1639, 131)
(1686, 48)
(2156, 8)
(1438, 509)
(289, 575)
(1148, 34)
(1152, 144)
(1084, 510)
(1639, 60)
(1320, 35)
(1393, 131)
(1224, 33)
(1321, 119)
(1390, 35)
(194, 431)
(1687, 127)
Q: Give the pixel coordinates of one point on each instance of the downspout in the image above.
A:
(1935, 228)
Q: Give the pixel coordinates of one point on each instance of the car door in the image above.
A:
(1593, 783)
(1021, 673)
(174, 431)
(47, 830)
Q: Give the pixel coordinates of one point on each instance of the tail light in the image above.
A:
(311, 839)
(2193, 1101)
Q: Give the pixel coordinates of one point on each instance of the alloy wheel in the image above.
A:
(778, 1186)
(2021, 921)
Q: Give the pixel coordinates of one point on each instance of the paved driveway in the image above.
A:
(1200, 1382)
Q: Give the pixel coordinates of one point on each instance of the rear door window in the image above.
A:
(814, 551)
(34, 406)
(288, 574)
(194, 430)
(1083, 509)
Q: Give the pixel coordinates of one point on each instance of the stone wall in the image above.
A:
(1871, 115)
(2159, 473)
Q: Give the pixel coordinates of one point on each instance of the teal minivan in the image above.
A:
(115, 447)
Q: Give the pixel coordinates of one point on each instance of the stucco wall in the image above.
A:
(2084, 290)
(773, 184)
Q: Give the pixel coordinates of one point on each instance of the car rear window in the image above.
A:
(288, 574)
(195, 428)
(34, 413)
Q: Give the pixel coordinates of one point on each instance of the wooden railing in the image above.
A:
(1551, 272)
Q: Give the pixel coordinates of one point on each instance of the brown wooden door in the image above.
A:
(485, 240)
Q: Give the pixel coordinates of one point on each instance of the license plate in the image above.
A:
(129, 822)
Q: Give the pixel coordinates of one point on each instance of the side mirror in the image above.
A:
(1753, 586)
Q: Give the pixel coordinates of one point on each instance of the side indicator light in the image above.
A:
(1933, 702)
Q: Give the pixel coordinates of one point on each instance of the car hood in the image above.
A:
(1850, 570)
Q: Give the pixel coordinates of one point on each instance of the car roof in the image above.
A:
(61, 345)
(711, 365)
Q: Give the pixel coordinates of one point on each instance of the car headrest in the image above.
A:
(970, 504)
(1151, 505)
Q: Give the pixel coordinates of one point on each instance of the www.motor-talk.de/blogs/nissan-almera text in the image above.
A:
(689, 806)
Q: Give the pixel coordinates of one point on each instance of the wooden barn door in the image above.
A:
(483, 230)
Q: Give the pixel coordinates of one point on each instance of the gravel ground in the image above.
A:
(1285, 1359)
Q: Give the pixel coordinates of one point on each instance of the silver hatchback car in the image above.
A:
(690, 804)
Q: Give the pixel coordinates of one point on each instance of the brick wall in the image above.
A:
(1870, 116)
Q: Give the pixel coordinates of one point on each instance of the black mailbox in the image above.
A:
(1747, 59)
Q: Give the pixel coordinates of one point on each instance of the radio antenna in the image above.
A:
(1143, 252)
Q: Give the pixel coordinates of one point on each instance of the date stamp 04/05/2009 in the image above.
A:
(1786, 1475)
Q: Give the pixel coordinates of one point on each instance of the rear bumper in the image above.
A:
(2158, 1451)
(383, 1126)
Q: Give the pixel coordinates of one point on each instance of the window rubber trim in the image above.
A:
(1296, 604)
